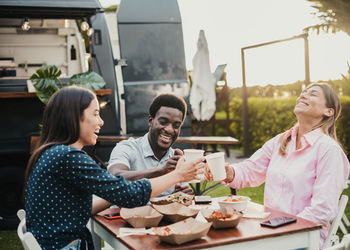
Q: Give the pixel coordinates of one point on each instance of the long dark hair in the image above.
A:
(61, 121)
(328, 122)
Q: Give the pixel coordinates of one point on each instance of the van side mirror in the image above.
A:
(120, 62)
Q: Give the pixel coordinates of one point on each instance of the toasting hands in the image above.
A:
(170, 165)
(188, 171)
(230, 173)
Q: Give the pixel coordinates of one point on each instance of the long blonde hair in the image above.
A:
(328, 122)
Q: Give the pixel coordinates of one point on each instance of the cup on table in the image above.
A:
(192, 155)
(216, 164)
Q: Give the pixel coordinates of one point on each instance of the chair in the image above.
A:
(21, 214)
(27, 238)
(343, 245)
(332, 237)
(345, 221)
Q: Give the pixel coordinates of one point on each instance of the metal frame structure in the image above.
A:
(244, 87)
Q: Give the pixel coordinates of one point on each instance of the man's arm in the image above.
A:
(121, 169)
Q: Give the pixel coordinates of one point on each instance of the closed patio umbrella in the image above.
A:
(202, 95)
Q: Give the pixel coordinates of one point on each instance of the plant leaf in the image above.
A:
(90, 80)
(44, 81)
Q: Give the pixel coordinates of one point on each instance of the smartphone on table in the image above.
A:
(202, 199)
(278, 221)
(112, 216)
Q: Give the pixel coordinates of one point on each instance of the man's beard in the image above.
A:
(154, 140)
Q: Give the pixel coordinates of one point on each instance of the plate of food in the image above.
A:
(222, 218)
(180, 197)
(183, 231)
(145, 216)
(175, 212)
(234, 201)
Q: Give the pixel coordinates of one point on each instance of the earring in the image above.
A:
(330, 112)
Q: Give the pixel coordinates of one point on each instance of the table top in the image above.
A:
(180, 139)
(248, 229)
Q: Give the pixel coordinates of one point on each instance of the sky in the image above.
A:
(230, 25)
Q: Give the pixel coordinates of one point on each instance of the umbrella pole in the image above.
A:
(200, 127)
(200, 120)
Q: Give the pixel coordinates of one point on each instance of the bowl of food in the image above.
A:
(222, 218)
(138, 217)
(183, 231)
(234, 201)
(175, 212)
(180, 197)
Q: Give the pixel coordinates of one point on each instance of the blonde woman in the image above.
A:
(304, 168)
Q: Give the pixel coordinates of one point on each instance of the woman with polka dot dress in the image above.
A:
(61, 178)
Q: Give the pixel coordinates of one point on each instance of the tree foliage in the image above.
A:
(112, 8)
(334, 15)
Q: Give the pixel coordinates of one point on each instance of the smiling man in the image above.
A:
(151, 155)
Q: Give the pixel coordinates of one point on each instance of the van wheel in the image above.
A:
(11, 187)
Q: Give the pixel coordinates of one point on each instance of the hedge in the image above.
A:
(271, 116)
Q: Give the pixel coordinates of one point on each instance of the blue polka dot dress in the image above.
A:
(59, 195)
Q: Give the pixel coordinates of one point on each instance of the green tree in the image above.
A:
(334, 15)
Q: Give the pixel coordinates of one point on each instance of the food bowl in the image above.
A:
(180, 197)
(234, 201)
(175, 212)
(181, 232)
(139, 217)
(222, 218)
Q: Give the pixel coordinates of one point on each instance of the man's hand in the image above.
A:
(184, 188)
(178, 152)
(171, 163)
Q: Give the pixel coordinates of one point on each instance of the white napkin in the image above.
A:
(126, 231)
(255, 210)
(256, 215)
(201, 218)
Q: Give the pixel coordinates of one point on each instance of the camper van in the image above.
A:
(139, 53)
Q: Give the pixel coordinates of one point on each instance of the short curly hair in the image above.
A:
(168, 100)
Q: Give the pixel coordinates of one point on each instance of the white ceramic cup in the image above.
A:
(192, 155)
(216, 164)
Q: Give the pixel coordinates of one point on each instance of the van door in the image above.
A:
(151, 41)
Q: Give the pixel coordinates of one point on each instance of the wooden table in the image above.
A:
(196, 141)
(249, 235)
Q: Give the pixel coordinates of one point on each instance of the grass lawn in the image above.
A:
(10, 241)
(256, 194)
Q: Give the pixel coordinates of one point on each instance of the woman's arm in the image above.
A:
(184, 171)
(124, 170)
(250, 172)
(332, 171)
(99, 205)
(86, 175)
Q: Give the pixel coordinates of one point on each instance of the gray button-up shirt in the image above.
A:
(138, 155)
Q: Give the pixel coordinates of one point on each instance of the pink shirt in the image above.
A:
(306, 182)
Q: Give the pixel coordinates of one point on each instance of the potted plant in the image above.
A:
(46, 82)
